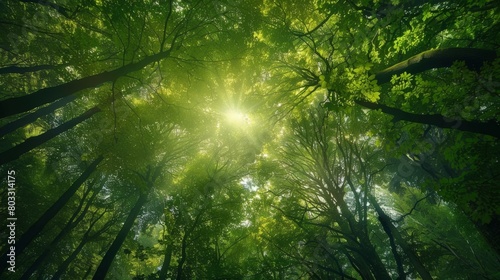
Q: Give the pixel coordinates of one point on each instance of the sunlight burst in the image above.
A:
(237, 117)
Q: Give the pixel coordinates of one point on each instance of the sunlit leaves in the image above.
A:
(361, 82)
(410, 39)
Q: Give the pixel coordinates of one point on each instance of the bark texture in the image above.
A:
(473, 58)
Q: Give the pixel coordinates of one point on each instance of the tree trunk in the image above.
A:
(181, 262)
(64, 265)
(12, 126)
(187, 233)
(385, 222)
(473, 58)
(71, 224)
(107, 260)
(394, 233)
(166, 261)
(491, 127)
(364, 255)
(173, 230)
(25, 103)
(27, 69)
(85, 239)
(33, 142)
(35, 229)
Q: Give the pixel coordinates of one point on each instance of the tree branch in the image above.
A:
(491, 127)
(473, 58)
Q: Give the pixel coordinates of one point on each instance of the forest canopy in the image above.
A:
(256, 139)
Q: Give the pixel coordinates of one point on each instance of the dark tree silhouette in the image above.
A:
(36, 228)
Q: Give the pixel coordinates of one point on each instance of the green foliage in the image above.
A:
(362, 82)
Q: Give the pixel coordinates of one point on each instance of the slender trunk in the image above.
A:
(366, 249)
(25, 103)
(412, 256)
(62, 268)
(187, 233)
(173, 230)
(364, 273)
(491, 127)
(35, 229)
(371, 257)
(71, 224)
(166, 261)
(181, 262)
(359, 264)
(385, 222)
(85, 239)
(33, 142)
(394, 233)
(107, 260)
(12, 126)
(357, 250)
(27, 69)
(473, 58)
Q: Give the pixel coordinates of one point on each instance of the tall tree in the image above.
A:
(106, 261)
(47, 216)
(35, 141)
(75, 219)
(29, 118)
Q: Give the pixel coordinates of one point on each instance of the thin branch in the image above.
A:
(413, 208)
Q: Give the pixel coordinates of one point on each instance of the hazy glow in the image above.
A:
(237, 117)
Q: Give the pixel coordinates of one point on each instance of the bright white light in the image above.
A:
(245, 223)
(248, 183)
(237, 117)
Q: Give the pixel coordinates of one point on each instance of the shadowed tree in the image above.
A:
(35, 141)
(72, 223)
(37, 227)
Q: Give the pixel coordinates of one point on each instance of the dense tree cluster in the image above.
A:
(217, 139)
